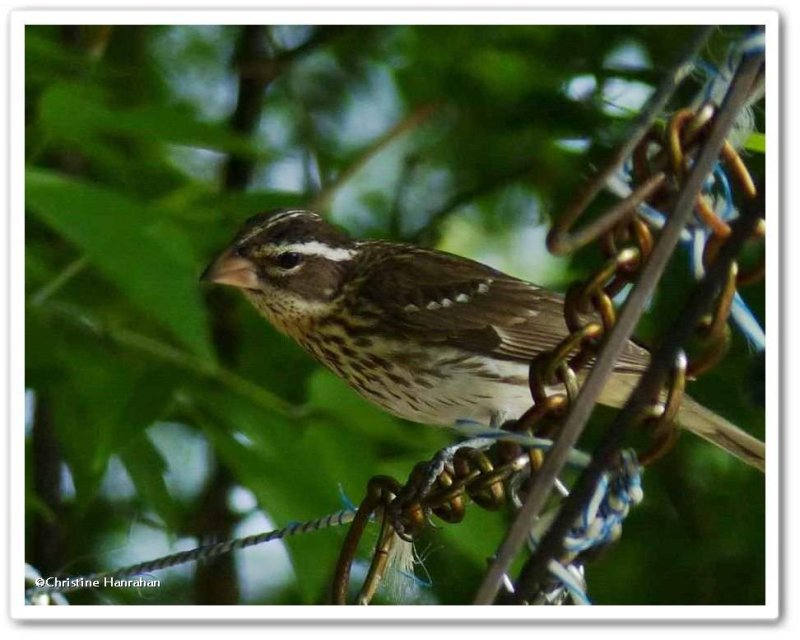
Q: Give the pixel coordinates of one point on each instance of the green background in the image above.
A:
(163, 414)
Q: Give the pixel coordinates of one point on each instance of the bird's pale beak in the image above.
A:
(232, 270)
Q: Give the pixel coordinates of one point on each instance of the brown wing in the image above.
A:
(436, 297)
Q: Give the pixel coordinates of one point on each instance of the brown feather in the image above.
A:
(502, 316)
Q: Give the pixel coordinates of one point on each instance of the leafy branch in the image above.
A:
(169, 354)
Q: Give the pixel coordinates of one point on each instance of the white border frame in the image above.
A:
(18, 21)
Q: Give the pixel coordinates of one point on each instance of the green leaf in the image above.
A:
(84, 396)
(101, 398)
(146, 467)
(116, 234)
(756, 142)
(78, 113)
(295, 471)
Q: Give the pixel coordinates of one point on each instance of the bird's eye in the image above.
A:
(289, 259)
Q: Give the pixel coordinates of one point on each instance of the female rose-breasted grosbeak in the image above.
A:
(429, 336)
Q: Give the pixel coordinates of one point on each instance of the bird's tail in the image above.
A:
(694, 417)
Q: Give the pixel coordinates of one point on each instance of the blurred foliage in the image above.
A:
(467, 138)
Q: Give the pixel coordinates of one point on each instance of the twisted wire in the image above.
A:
(599, 524)
(204, 552)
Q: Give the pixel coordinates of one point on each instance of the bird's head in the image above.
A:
(289, 263)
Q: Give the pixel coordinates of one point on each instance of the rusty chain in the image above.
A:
(660, 162)
(481, 476)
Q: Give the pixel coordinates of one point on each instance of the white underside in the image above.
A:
(457, 393)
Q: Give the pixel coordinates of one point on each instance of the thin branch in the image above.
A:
(407, 172)
(167, 353)
(48, 530)
(227, 378)
(252, 50)
(616, 340)
(47, 290)
(415, 119)
(427, 235)
(258, 69)
(270, 68)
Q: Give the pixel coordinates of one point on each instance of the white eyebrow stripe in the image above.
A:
(294, 213)
(314, 248)
(286, 215)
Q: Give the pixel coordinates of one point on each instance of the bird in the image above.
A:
(429, 336)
